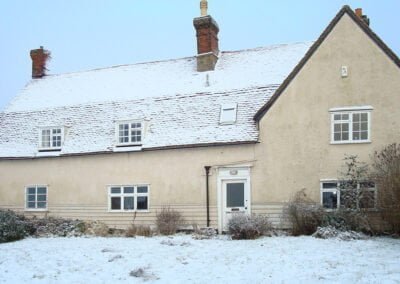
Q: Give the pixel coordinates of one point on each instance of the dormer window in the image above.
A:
(51, 138)
(129, 133)
(228, 113)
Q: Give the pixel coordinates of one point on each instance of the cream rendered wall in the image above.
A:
(295, 150)
(77, 186)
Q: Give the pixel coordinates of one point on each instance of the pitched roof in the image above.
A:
(181, 106)
(345, 10)
(234, 70)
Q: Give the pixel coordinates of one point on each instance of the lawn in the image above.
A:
(182, 259)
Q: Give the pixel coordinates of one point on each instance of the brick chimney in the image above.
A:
(207, 40)
(359, 14)
(39, 60)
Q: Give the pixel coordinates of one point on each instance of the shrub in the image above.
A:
(139, 230)
(244, 226)
(304, 215)
(168, 221)
(347, 220)
(386, 173)
(13, 226)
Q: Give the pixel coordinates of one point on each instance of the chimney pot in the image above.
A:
(359, 13)
(39, 59)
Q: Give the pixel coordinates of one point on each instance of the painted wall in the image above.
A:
(295, 150)
(77, 186)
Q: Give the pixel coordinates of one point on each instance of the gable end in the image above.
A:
(345, 10)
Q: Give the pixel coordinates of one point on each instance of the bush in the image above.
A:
(245, 227)
(140, 230)
(304, 215)
(347, 220)
(168, 221)
(13, 226)
(386, 173)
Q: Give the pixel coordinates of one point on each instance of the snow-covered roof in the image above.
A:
(180, 105)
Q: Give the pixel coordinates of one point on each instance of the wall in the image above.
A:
(77, 186)
(295, 150)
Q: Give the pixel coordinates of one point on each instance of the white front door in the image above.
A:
(235, 199)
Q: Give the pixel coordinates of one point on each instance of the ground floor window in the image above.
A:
(36, 197)
(348, 195)
(128, 198)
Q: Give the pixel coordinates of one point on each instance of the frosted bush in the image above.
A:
(244, 226)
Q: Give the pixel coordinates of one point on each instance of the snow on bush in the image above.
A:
(168, 221)
(244, 226)
(13, 226)
(329, 232)
(303, 214)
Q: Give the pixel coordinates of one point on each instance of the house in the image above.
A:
(209, 135)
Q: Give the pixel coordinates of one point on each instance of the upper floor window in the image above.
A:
(129, 133)
(51, 138)
(348, 195)
(36, 197)
(351, 125)
(228, 113)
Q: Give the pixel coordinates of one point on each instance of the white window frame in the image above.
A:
(135, 195)
(224, 118)
(337, 191)
(36, 186)
(350, 111)
(51, 147)
(130, 142)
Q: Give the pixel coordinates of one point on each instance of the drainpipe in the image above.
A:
(207, 168)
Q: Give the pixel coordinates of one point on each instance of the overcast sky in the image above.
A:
(87, 34)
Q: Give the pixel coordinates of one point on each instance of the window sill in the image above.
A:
(128, 211)
(126, 148)
(35, 210)
(49, 149)
(350, 142)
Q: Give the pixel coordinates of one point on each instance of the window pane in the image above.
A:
(41, 198)
(345, 127)
(356, 117)
(329, 200)
(345, 116)
(235, 195)
(31, 205)
(41, 190)
(142, 203)
(348, 199)
(31, 190)
(356, 135)
(128, 189)
(337, 127)
(356, 126)
(329, 185)
(367, 199)
(364, 126)
(115, 190)
(364, 135)
(142, 189)
(364, 117)
(115, 203)
(345, 136)
(31, 197)
(128, 203)
(41, 205)
(337, 117)
(337, 137)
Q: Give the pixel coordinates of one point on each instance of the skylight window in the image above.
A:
(129, 133)
(228, 113)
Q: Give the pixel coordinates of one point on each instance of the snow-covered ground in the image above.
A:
(181, 259)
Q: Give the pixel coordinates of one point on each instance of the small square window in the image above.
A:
(36, 197)
(51, 138)
(129, 133)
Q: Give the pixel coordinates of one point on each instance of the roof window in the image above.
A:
(228, 113)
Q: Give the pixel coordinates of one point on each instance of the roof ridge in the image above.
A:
(277, 45)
